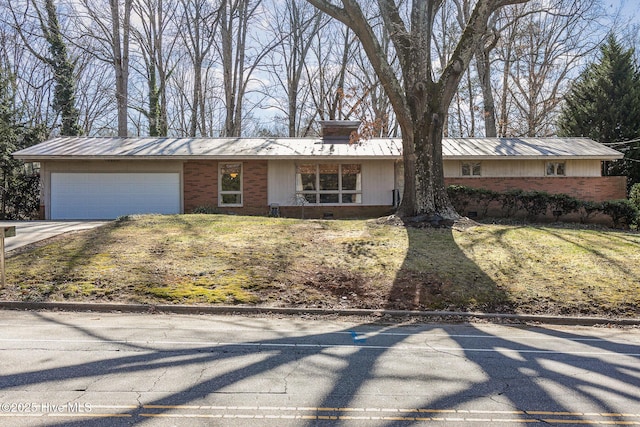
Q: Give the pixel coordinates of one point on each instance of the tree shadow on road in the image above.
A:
(531, 374)
(517, 371)
(562, 372)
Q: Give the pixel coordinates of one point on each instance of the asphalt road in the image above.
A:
(97, 369)
(28, 232)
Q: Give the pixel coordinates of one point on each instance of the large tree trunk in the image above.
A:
(425, 193)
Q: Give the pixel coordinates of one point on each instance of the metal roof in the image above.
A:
(528, 148)
(301, 148)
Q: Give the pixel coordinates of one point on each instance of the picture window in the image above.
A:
(329, 183)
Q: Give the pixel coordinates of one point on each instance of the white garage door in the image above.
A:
(110, 195)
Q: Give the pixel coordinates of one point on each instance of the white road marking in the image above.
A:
(267, 345)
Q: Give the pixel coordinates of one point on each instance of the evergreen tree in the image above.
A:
(19, 186)
(604, 105)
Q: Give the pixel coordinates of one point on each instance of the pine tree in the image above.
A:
(604, 105)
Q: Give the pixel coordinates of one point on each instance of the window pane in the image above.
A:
(351, 198)
(560, 169)
(476, 169)
(231, 199)
(305, 177)
(328, 177)
(551, 170)
(351, 179)
(310, 198)
(230, 174)
(329, 198)
(466, 169)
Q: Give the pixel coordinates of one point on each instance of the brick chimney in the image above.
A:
(338, 131)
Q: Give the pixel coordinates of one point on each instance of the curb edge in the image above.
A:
(197, 309)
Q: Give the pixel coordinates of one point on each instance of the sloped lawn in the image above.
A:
(218, 259)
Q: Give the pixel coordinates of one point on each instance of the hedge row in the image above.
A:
(534, 204)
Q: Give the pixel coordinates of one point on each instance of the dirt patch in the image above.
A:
(346, 288)
(326, 288)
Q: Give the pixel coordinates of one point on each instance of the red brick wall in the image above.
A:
(597, 189)
(200, 184)
(200, 181)
(255, 185)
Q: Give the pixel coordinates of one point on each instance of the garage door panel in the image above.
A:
(109, 195)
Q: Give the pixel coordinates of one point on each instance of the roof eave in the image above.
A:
(564, 157)
(39, 158)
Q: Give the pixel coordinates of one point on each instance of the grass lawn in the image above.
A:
(219, 259)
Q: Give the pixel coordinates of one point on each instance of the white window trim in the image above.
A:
(221, 193)
(470, 163)
(339, 191)
(555, 168)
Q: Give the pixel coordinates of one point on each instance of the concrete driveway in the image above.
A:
(28, 232)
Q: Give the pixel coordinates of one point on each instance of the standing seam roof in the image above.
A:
(458, 148)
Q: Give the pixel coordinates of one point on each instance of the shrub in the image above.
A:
(535, 203)
(205, 209)
(510, 202)
(634, 195)
(484, 198)
(622, 212)
(22, 200)
(563, 204)
(587, 209)
(461, 197)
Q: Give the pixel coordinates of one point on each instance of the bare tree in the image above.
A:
(419, 100)
(482, 53)
(121, 28)
(94, 96)
(157, 17)
(541, 47)
(535, 48)
(197, 30)
(31, 77)
(326, 72)
(298, 24)
(372, 104)
(242, 54)
(104, 30)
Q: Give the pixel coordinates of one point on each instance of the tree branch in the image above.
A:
(352, 16)
(397, 31)
(475, 29)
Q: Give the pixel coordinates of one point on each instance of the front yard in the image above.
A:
(219, 259)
